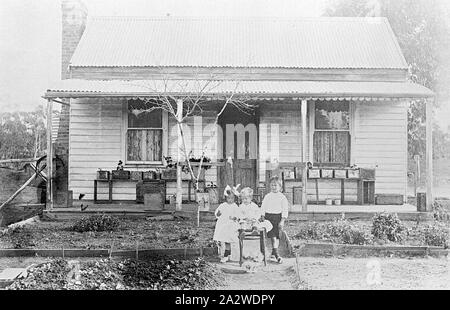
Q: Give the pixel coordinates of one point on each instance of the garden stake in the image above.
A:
(298, 270)
(137, 249)
(63, 252)
(198, 215)
(185, 249)
(111, 249)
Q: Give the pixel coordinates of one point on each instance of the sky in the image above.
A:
(30, 36)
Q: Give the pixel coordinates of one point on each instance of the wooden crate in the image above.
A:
(389, 199)
(120, 175)
(149, 175)
(297, 195)
(169, 174)
(314, 173)
(326, 173)
(367, 174)
(136, 175)
(154, 201)
(353, 173)
(340, 173)
(103, 175)
(150, 187)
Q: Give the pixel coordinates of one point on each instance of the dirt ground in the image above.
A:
(325, 274)
(361, 273)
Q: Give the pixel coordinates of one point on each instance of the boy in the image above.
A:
(275, 208)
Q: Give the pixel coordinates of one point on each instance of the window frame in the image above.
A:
(312, 130)
(124, 143)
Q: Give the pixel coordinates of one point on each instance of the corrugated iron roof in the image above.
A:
(326, 42)
(258, 89)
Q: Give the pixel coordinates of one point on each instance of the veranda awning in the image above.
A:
(316, 90)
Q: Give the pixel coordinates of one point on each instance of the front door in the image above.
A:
(240, 144)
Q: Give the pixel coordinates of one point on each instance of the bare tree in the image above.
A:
(187, 98)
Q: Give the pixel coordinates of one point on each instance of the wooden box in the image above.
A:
(150, 187)
(353, 173)
(389, 199)
(169, 174)
(148, 175)
(297, 195)
(103, 175)
(340, 173)
(136, 175)
(120, 174)
(367, 174)
(326, 173)
(314, 173)
(154, 201)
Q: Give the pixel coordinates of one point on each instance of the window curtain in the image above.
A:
(332, 148)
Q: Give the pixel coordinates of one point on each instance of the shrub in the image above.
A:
(21, 237)
(313, 231)
(436, 234)
(388, 226)
(338, 227)
(340, 230)
(96, 223)
(440, 211)
(356, 235)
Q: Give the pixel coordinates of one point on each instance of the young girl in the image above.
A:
(227, 226)
(275, 207)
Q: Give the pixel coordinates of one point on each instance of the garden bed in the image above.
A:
(107, 274)
(130, 233)
(341, 231)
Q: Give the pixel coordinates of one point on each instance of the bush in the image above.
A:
(21, 237)
(388, 226)
(340, 230)
(436, 234)
(441, 210)
(356, 235)
(313, 231)
(96, 223)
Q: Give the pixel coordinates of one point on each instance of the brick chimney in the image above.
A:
(74, 16)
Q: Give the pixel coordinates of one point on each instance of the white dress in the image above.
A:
(227, 230)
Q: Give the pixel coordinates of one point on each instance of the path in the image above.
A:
(271, 277)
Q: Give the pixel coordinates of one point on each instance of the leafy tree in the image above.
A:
(424, 37)
(22, 134)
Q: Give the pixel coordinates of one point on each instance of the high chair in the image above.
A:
(250, 234)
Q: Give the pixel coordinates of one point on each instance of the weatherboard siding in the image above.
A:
(95, 142)
(380, 143)
(279, 134)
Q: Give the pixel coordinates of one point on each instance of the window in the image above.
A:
(331, 142)
(144, 132)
